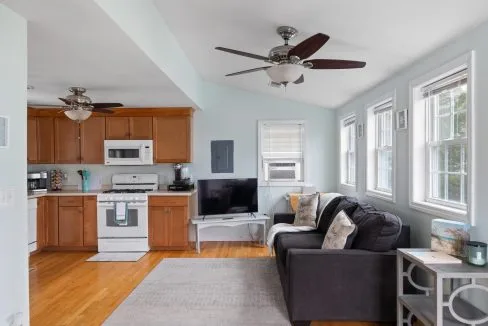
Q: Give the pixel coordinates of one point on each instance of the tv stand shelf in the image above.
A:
(202, 222)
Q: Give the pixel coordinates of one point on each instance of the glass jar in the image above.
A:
(476, 253)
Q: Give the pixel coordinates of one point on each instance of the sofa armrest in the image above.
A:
(283, 218)
(336, 284)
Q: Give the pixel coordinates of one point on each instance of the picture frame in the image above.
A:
(360, 130)
(4, 131)
(402, 119)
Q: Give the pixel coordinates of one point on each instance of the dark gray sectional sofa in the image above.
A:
(355, 284)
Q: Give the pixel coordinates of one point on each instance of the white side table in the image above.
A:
(202, 223)
(435, 307)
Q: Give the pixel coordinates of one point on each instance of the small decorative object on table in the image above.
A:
(476, 253)
(450, 237)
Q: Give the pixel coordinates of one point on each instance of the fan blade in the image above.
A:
(248, 71)
(101, 110)
(244, 54)
(106, 105)
(300, 80)
(335, 64)
(308, 47)
(67, 102)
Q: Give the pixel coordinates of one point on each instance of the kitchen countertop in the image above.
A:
(96, 192)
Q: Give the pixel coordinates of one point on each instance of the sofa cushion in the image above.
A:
(361, 212)
(326, 217)
(377, 231)
(298, 240)
(342, 203)
(307, 210)
(341, 233)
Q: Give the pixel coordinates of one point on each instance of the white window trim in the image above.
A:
(464, 61)
(346, 187)
(261, 181)
(370, 147)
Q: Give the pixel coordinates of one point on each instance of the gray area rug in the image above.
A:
(206, 291)
(117, 256)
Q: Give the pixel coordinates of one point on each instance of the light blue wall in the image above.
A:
(14, 296)
(232, 114)
(420, 222)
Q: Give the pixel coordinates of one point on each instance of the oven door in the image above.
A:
(133, 226)
(128, 152)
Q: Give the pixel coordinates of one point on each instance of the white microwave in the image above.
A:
(128, 152)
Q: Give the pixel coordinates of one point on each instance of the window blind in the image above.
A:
(454, 80)
(349, 121)
(386, 106)
(282, 141)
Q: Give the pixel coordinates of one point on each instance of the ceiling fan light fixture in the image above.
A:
(285, 73)
(78, 114)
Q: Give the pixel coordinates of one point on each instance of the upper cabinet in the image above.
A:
(129, 128)
(45, 140)
(31, 140)
(40, 140)
(67, 141)
(53, 138)
(141, 127)
(92, 134)
(172, 139)
(117, 128)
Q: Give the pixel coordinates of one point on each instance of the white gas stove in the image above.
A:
(122, 213)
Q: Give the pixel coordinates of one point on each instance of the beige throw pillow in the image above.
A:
(306, 210)
(340, 231)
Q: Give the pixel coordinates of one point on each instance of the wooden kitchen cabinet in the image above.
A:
(45, 140)
(92, 135)
(141, 127)
(168, 222)
(117, 128)
(70, 226)
(67, 141)
(51, 221)
(31, 140)
(41, 230)
(172, 139)
(90, 237)
(129, 128)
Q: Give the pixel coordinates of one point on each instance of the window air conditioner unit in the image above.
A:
(282, 171)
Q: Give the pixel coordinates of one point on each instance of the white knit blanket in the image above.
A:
(284, 227)
(325, 199)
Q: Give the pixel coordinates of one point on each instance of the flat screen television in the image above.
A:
(227, 196)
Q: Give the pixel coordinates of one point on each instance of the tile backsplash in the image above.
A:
(101, 175)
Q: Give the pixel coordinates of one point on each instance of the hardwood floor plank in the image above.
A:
(67, 290)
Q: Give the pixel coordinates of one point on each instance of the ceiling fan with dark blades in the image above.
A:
(288, 62)
(79, 107)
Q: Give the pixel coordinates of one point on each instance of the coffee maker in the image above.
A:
(182, 180)
(37, 182)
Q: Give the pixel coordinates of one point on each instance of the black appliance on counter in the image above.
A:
(182, 181)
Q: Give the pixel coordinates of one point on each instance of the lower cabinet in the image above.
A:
(168, 222)
(90, 238)
(70, 226)
(51, 220)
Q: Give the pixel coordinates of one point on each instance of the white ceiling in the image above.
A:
(387, 34)
(74, 43)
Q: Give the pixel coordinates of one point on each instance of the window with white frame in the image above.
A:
(446, 106)
(380, 149)
(348, 151)
(281, 154)
(440, 141)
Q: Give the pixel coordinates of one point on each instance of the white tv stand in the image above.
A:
(202, 222)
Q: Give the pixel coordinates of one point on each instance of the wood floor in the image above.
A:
(66, 290)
